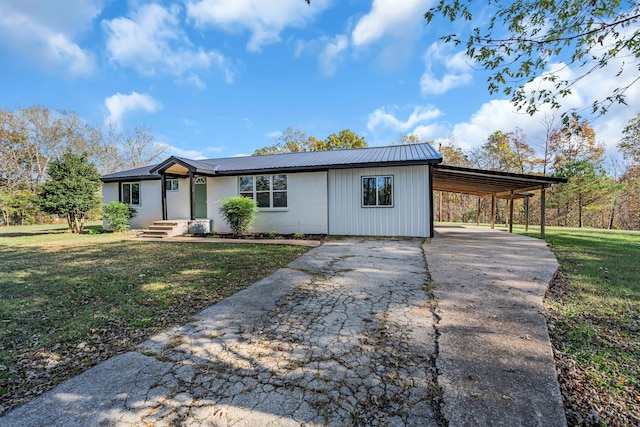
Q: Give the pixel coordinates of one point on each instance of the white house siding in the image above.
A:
(150, 208)
(109, 194)
(409, 215)
(306, 199)
(178, 202)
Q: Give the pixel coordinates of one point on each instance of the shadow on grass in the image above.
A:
(78, 305)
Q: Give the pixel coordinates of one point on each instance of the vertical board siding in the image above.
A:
(178, 204)
(409, 215)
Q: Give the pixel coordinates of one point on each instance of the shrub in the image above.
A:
(118, 215)
(239, 212)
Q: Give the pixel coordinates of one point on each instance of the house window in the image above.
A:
(269, 191)
(377, 191)
(172, 184)
(131, 193)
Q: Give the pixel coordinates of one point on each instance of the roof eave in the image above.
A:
(320, 168)
(130, 178)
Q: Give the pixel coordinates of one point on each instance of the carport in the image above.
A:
(494, 184)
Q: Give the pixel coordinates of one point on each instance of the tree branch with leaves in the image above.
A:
(522, 37)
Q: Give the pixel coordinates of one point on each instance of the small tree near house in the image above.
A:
(239, 212)
(71, 190)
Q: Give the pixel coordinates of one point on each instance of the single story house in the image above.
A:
(377, 191)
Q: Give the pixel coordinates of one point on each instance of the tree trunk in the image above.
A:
(612, 216)
(580, 210)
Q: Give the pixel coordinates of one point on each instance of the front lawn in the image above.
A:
(69, 301)
(593, 310)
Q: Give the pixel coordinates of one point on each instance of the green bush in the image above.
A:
(239, 212)
(118, 216)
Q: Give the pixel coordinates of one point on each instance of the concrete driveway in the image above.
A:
(349, 334)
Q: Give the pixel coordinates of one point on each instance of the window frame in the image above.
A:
(168, 187)
(256, 183)
(376, 179)
(129, 194)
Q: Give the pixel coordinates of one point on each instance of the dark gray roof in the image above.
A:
(137, 173)
(395, 155)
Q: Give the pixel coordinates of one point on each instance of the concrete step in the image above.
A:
(160, 228)
(152, 236)
(165, 228)
(154, 233)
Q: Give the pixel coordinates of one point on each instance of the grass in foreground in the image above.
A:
(70, 301)
(593, 309)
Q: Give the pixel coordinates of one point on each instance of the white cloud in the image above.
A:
(381, 119)
(264, 19)
(457, 71)
(400, 18)
(502, 115)
(274, 134)
(430, 84)
(152, 42)
(120, 104)
(45, 32)
(188, 154)
(332, 54)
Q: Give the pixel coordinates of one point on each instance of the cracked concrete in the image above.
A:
(495, 360)
(348, 334)
(344, 336)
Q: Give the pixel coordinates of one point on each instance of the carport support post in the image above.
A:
(542, 212)
(511, 213)
(493, 210)
(526, 214)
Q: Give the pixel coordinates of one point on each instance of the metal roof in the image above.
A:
(394, 155)
(480, 182)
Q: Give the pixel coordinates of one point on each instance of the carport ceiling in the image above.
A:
(480, 182)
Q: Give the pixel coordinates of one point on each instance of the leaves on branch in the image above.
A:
(522, 37)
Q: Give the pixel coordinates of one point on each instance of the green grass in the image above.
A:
(68, 301)
(594, 306)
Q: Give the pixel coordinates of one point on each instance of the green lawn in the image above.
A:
(593, 307)
(69, 301)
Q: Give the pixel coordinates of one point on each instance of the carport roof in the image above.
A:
(480, 182)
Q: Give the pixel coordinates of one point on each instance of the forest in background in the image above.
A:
(595, 196)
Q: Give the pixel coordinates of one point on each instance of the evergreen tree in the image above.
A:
(71, 191)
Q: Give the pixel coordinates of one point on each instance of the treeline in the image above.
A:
(32, 138)
(593, 197)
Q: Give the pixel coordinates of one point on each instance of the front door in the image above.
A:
(201, 197)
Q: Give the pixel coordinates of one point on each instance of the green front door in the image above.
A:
(201, 197)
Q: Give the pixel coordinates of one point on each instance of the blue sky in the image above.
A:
(218, 78)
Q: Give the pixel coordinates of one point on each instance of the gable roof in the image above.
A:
(395, 155)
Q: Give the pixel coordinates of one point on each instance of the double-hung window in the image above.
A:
(131, 193)
(377, 191)
(269, 191)
(172, 184)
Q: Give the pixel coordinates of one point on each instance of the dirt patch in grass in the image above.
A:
(69, 302)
